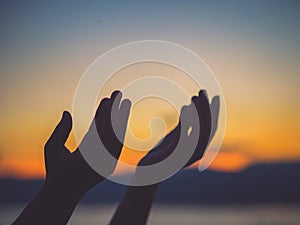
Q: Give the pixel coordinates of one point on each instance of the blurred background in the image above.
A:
(253, 47)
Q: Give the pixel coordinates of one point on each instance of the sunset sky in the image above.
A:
(253, 47)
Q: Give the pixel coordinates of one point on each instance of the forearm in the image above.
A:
(135, 207)
(54, 204)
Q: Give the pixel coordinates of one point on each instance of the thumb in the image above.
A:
(60, 135)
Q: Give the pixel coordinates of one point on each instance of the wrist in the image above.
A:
(60, 192)
(53, 205)
(70, 187)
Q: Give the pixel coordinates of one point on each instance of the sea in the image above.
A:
(100, 214)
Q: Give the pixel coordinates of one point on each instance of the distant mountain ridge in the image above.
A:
(265, 183)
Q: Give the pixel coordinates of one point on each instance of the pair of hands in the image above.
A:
(69, 177)
(70, 170)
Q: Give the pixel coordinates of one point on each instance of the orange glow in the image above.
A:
(262, 126)
(25, 169)
(230, 162)
(34, 169)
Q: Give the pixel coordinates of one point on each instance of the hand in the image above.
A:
(135, 206)
(70, 170)
(68, 175)
(208, 119)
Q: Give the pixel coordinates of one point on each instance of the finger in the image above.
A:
(204, 92)
(111, 107)
(204, 119)
(59, 136)
(215, 109)
(196, 100)
(114, 95)
(116, 98)
(104, 112)
(124, 112)
(101, 116)
(185, 118)
(109, 139)
(125, 107)
(193, 120)
(119, 127)
(116, 117)
(191, 138)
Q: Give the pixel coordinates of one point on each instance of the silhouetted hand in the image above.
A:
(135, 206)
(208, 118)
(70, 169)
(68, 176)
